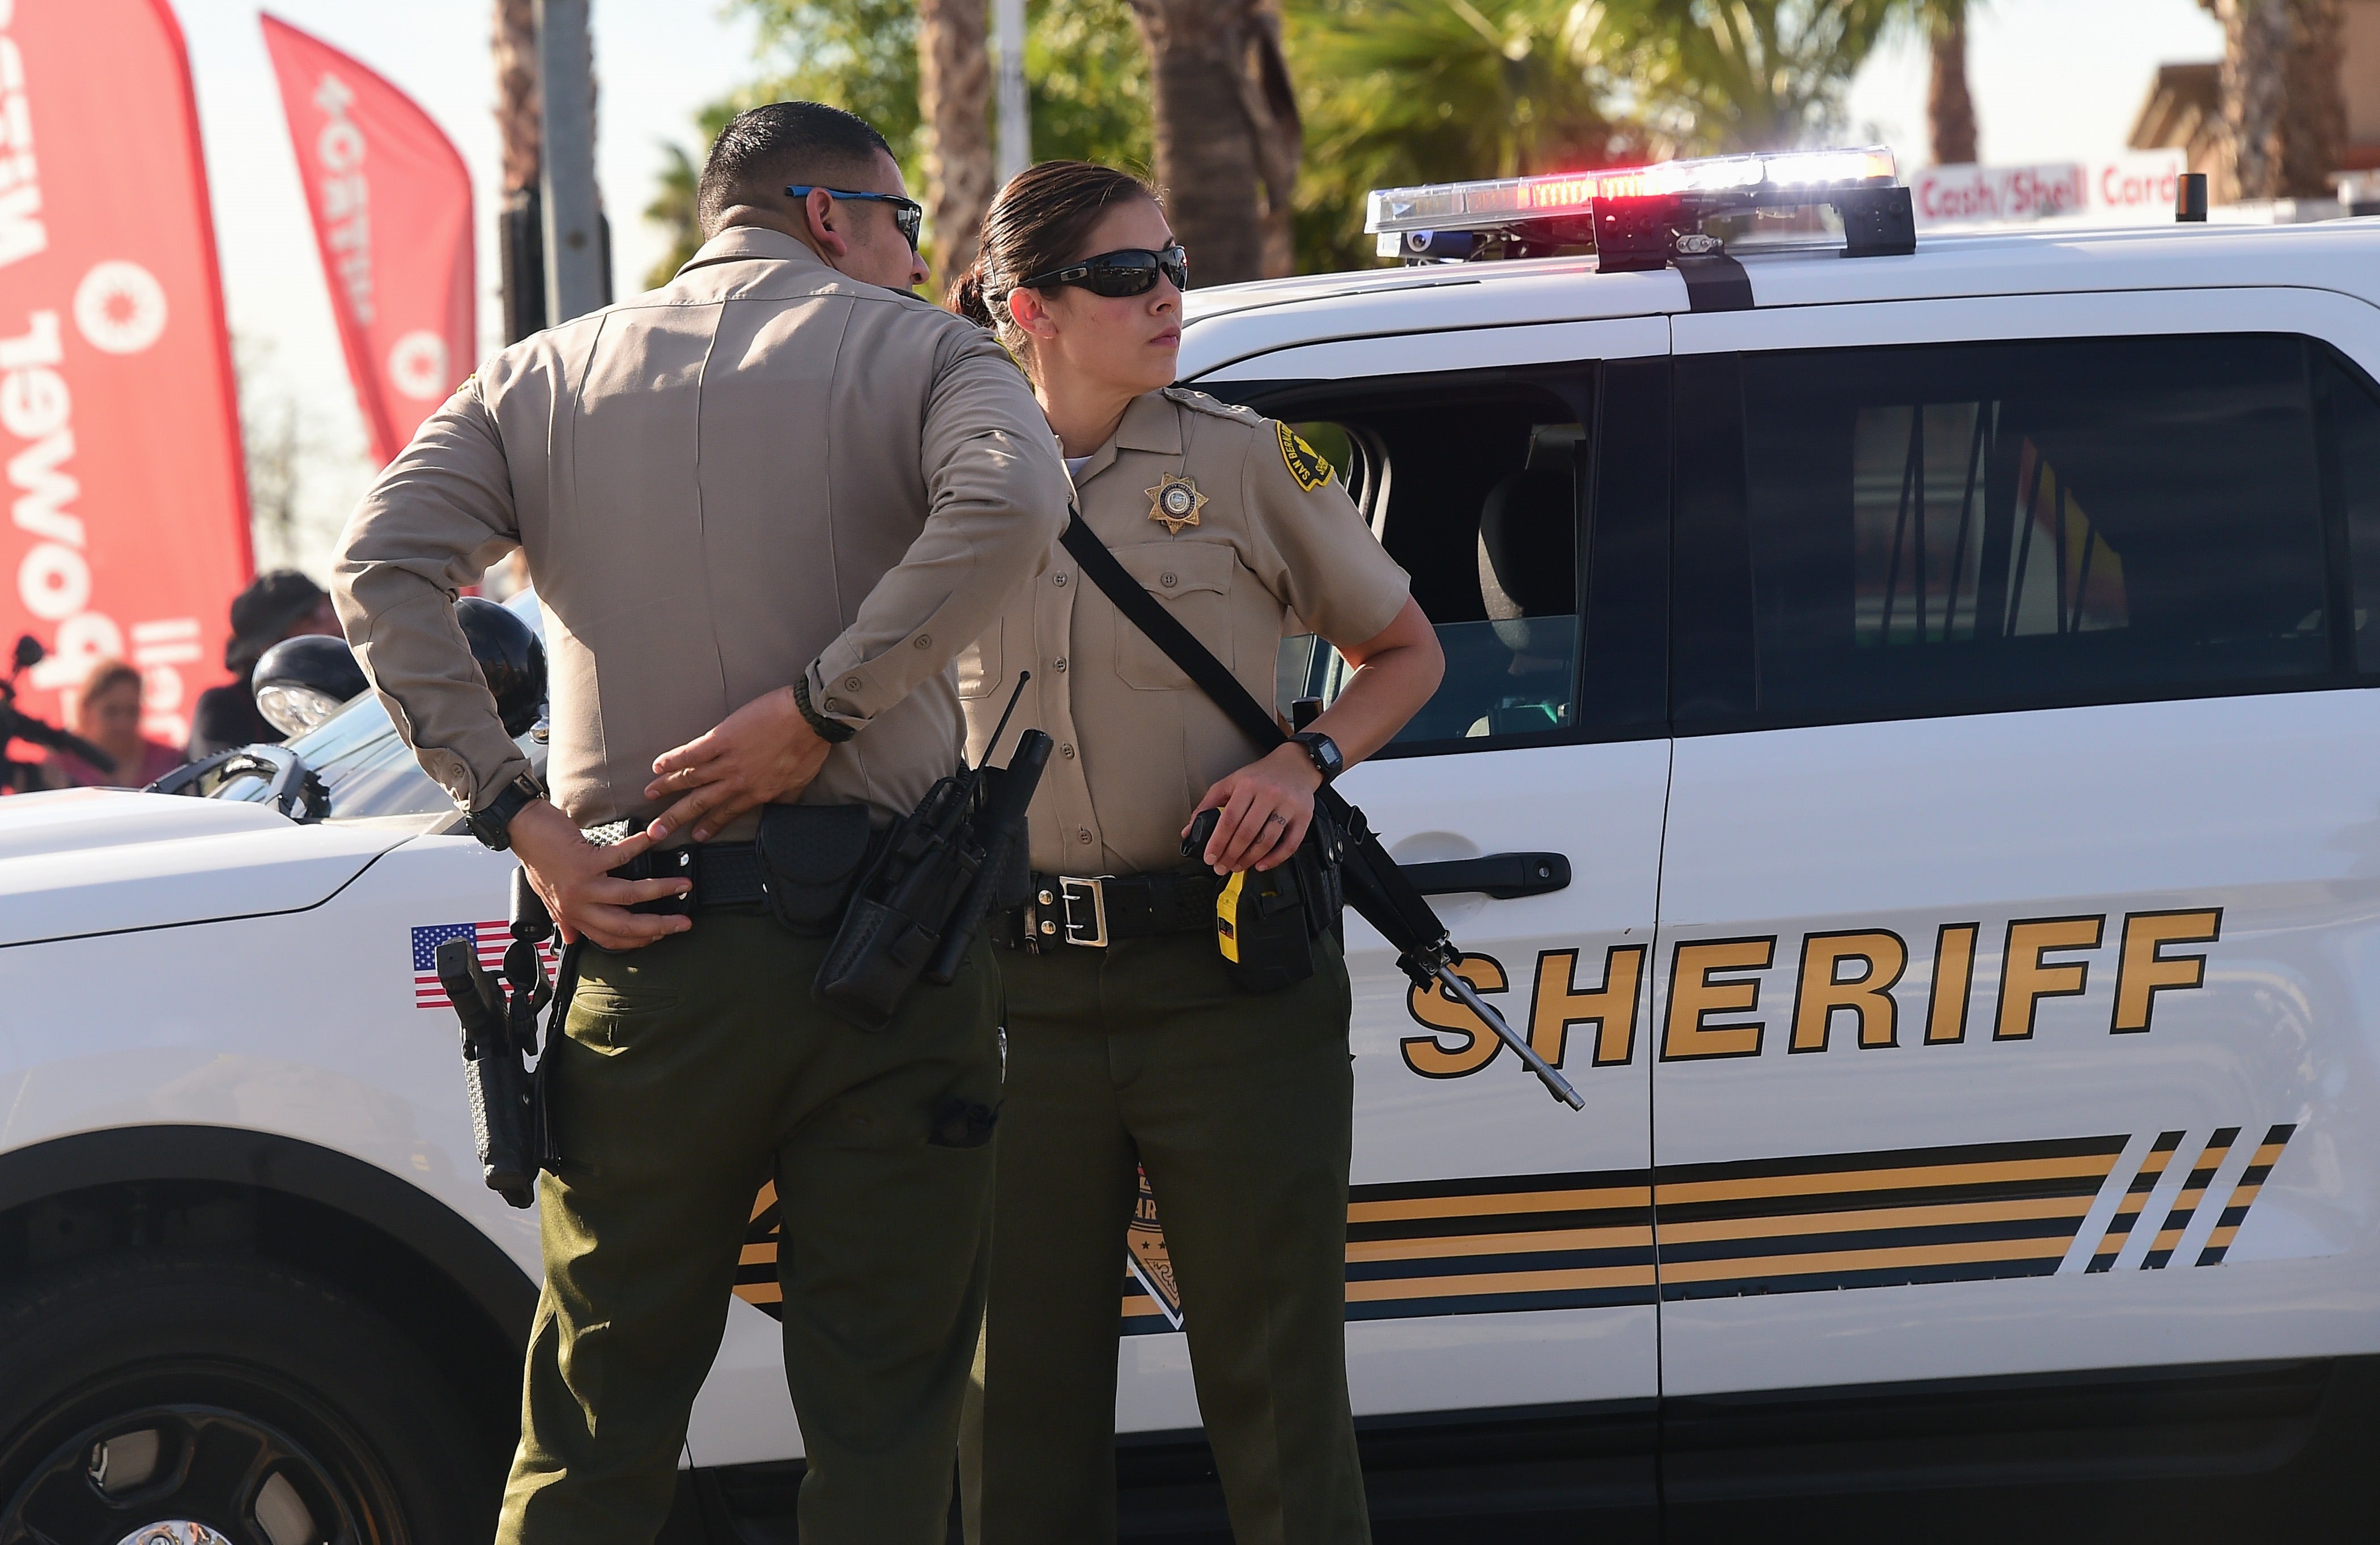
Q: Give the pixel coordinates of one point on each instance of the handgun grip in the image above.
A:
(469, 989)
(529, 918)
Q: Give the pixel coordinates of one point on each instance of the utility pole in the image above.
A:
(1015, 149)
(575, 252)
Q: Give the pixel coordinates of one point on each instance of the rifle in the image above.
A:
(1376, 888)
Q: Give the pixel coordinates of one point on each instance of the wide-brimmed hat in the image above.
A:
(262, 613)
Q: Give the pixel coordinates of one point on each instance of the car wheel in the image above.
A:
(157, 1399)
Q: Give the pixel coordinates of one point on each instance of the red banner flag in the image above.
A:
(119, 423)
(391, 208)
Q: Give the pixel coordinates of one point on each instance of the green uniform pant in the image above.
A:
(693, 1070)
(1239, 1106)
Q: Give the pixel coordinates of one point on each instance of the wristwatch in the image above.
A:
(1323, 751)
(492, 823)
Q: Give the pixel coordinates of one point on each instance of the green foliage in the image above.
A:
(1393, 92)
(1744, 75)
(1400, 91)
(1086, 77)
(861, 56)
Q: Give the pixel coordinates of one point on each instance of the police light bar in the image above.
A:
(1408, 220)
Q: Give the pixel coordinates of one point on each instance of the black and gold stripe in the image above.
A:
(2244, 1192)
(1873, 1220)
(2136, 1196)
(1419, 1249)
(756, 1264)
(1817, 1224)
(2185, 1202)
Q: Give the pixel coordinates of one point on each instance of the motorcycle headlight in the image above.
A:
(293, 708)
(303, 680)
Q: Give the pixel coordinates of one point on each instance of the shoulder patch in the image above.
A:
(1305, 463)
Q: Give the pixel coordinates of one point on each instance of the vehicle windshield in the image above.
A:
(364, 767)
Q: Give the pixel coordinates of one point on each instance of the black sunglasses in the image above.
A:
(1129, 270)
(909, 215)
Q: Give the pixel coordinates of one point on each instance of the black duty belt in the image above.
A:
(724, 874)
(1096, 910)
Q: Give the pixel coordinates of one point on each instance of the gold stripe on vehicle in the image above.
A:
(1884, 1258)
(1625, 1236)
(2074, 1167)
(1863, 1219)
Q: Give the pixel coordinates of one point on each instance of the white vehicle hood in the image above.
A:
(101, 861)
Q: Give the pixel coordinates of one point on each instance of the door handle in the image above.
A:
(1503, 875)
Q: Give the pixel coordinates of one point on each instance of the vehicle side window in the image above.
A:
(1985, 527)
(1478, 494)
(2354, 424)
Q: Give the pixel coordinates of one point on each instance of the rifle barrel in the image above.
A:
(1555, 1084)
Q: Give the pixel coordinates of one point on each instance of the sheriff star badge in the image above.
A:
(1174, 504)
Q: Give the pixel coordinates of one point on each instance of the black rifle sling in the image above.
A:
(1181, 646)
(1376, 886)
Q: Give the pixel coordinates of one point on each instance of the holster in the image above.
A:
(814, 856)
(1266, 923)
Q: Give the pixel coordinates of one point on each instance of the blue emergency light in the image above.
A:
(1644, 217)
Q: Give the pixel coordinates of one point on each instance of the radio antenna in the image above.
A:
(1002, 728)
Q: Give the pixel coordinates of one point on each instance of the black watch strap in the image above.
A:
(1323, 751)
(493, 822)
(832, 730)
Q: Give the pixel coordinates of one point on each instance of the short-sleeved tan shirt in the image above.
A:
(1275, 547)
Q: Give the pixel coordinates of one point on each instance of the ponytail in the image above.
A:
(966, 297)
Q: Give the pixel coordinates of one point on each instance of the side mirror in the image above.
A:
(303, 680)
(29, 652)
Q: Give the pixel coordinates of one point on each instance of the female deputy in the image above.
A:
(1132, 1044)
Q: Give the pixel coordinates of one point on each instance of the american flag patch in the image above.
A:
(491, 940)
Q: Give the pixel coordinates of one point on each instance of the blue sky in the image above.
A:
(2053, 79)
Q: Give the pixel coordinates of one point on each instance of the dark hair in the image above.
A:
(106, 674)
(1034, 225)
(763, 150)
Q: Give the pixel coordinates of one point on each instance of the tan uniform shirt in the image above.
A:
(1276, 539)
(763, 469)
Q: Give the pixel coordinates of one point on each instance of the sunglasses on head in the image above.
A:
(1128, 270)
(909, 215)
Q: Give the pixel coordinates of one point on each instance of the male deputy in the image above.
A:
(763, 507)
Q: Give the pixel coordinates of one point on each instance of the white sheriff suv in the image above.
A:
(1909, 754)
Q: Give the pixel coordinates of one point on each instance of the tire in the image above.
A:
(148, 1390)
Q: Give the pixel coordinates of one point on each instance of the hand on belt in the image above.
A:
(1096, 910)
(724, 874)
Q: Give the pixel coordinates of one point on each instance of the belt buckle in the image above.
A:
(1074, 889)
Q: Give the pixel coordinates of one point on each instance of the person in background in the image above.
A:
(283, 604)
(107, 713)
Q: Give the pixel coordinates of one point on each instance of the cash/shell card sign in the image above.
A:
(119, 427)
(2139, 187)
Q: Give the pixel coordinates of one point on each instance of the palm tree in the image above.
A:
(2284, 116)
(2313, 105)
(1949, 106)
(1404, 91)
(954, 94)
(1226, 131)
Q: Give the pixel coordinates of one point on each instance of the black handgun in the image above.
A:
(499, 1037)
